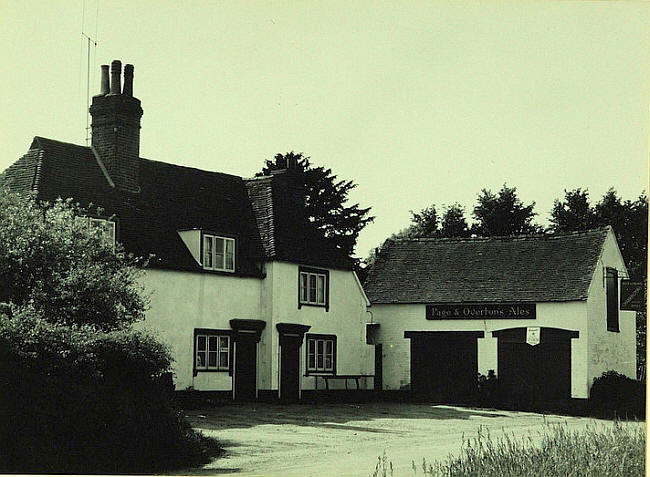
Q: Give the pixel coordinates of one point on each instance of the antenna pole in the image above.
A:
(94, 43)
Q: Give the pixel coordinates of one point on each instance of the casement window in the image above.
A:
(218, 253)
(321, 354)
(105, 226)
(313, 287)
(212, 351)
(611, 287)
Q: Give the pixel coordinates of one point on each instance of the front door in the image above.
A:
(246, 335)
(245, 375)
(290, 337)
(290, 370)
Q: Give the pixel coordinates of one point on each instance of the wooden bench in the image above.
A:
(328, 378)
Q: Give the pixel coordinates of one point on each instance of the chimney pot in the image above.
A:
(104, 88)
(128, 80)
(116, 71)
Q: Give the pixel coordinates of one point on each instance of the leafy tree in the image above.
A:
(326, 200)
(454, 223)
(573, 213)
(425, 223)
(64, 270)
(81, 389)
(503, 214)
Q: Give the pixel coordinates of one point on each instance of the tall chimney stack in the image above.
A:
(116, 71)
(116, 127)
(105, 82)
(128, 80)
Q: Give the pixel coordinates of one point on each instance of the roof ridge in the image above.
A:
(503, 238)
(38, 139)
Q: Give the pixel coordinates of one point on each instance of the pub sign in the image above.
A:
(480, 311)
(633, 295)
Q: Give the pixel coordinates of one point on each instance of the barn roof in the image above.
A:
(534, 268)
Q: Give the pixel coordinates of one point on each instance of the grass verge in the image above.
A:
(607, 450)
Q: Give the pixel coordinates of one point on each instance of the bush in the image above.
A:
(79, 400)
(615, 394)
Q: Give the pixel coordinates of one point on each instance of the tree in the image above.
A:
(573, 213)
(84, 383)
(503, 214)
(54, 263)
(326, 200)
(424, 223)
(454, 223)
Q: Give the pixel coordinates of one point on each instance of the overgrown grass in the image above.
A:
(609, 450)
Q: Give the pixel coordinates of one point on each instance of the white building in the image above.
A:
(541, 311)
(254, 302)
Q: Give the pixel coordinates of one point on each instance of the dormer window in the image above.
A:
(105, 226)
(218, 253)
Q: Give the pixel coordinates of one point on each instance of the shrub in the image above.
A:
(80, 400)
(615, 394)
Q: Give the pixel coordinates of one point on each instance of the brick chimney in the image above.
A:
(116, 127)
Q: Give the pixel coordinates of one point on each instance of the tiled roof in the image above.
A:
(285, 233)
(171, 198)
(535, 268)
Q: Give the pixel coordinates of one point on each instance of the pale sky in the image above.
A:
(417, 102)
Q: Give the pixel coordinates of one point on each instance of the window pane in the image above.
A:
(329, 345)
(200, 359)
(207, 262)
(218, 252)
(321, 289)
(223, 358)
(223, 343)
(212, 359)
(200, 343)
(303, 287)
(320, 361)
(312, 288)
(321, 345)
(212, 343)
(328, 362)
(230, 254)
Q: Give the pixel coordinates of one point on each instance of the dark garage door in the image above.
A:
(444, 365)
(535, 374)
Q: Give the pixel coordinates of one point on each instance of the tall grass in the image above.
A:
(609, 450)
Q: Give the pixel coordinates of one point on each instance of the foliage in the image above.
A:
(613, 393)
(62, 269)
(82, 351)
(601, 450)
(454, 223)
(503, 214)
(628, 218)
(81, 390)
(573, 213)
(326, 200)
(488, 389)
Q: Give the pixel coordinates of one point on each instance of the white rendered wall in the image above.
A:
(609, 350)
(183, 301)
(346, 318)
(395, 319)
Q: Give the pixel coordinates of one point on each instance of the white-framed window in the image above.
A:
(105, 226)
(212, 351)
(313, 288)
(321, 353)
(218, 253)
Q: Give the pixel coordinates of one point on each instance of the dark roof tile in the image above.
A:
(534, 268)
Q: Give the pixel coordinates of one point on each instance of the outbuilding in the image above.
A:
(542, 311)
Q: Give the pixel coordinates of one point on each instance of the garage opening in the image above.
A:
(536, 374)
(444, 365)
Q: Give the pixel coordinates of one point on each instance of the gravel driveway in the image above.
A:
(347, 439)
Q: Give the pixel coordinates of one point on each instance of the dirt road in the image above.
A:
(346, 440)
